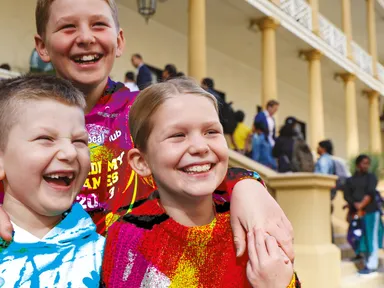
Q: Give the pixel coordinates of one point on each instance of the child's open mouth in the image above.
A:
(197, 169)
(61, 179)
(87, 59)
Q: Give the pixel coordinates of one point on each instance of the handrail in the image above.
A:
(380, 72)
(238, 160)
(332, 35)
(300, 10)
(362, 58)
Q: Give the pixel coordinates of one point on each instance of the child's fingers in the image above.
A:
(261, 250)
(285, 257)
(272, 247)
(252, 250)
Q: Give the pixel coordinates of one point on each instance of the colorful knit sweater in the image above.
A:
(149, 249)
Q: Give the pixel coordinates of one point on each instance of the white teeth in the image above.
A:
(198, 168)
(87, 58)
(57, 176)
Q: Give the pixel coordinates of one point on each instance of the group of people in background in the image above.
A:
(290, 153)
(143, 77)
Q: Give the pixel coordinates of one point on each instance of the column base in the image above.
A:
(318, 266)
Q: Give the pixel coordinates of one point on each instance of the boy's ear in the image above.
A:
(41, 49)
(138, 163)
(120, 43)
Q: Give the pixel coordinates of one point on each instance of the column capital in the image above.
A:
(346, 77)
(266, 23)
(310, 55)
(370, 93)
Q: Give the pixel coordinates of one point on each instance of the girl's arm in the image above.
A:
(253, 206)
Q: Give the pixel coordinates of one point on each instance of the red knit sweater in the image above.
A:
(155, 251)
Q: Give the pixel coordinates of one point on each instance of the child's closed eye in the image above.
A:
(177, 135)
(100, 24)
(212, 132)
(67, 27)
(81, 141)
(44, 138)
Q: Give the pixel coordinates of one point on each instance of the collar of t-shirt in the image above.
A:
(23, 236)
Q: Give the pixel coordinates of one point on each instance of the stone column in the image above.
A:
(304, 197)
(347, 26)
(315, 16)
(316, 110)
(372, 38)
(197, 51)
(374, 122)
(268, 59)
(352, 130)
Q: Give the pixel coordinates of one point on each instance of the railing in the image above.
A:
(8, 74)
(333, 36)
(380, 72)
(362, 58)
(299, 10)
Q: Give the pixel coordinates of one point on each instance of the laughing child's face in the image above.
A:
(46, 158)
(82, 40)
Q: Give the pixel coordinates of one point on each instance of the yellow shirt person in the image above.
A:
(242, 132)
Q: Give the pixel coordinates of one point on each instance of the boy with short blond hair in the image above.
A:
(44, 160)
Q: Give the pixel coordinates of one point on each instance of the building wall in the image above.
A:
(161, 45)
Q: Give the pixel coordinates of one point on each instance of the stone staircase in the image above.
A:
(350, 277)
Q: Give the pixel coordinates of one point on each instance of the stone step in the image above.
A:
(348, 268)
(346, 251)
(340, 239)
(374, 280)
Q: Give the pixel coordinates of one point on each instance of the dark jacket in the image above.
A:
(357, 187)
(262, 118)
(144, 77)
(283, 151)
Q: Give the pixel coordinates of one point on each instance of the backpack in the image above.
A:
(302, 158)
(355, 231)
(340, 169)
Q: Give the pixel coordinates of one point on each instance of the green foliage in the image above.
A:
(377, 164)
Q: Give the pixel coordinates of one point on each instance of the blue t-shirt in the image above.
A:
(325, 165)
(262, 151)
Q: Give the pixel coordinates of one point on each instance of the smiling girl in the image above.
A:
(181, 237)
